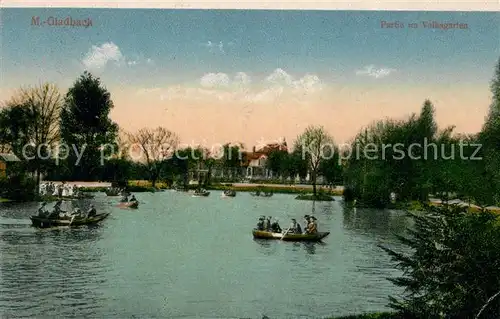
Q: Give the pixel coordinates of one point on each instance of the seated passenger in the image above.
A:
(91, 212)
(275, 227)
(260, 224)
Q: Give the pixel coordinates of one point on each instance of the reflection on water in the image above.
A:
(375, 222)
(60, 271)
(195, 257)
(48, 272)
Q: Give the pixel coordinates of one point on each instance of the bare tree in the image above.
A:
(316, 145)
(42, 106)
(123, 145)
(156, 146)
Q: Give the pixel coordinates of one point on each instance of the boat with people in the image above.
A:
(257, 234)
(50, 191)
(229, 193)
(43, 222)
(201, 193)
(271, 230)
(113, 191)
(129, 205)
(58, 217)
(125, 202)
(261, 194)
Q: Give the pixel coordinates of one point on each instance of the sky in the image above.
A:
(256, 76)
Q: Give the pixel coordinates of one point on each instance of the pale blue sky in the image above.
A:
(332, 44)
(301, 66)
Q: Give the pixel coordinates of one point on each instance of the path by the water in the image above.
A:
(463, 204)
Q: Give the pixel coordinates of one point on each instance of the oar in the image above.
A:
(285, 234)
(72, 218)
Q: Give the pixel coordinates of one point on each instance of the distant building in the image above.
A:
(255, 162)
(5, 159)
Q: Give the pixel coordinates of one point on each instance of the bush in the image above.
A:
(454, 267)
(18, 188)
(319, 197)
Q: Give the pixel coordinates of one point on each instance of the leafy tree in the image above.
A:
(85, 125)
(277, 162)
(314, 142)
(14, 129)
(452, 269)
(330, 168)
(489, 137)
(232, 158)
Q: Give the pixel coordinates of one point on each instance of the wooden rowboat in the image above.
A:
(133, 204)
(261, 194)
(43, 222)
(201, 194)
(258, 234)
(228, 193)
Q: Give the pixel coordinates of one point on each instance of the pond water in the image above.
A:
(179, 256)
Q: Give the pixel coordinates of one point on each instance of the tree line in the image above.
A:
(42, 117)
(37, 121)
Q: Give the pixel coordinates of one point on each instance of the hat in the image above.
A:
(269, 217)
(293, 219)
(312, 217)
(306, 216)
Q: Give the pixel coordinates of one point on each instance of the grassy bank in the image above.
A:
(279, 189)
(145, 186)
(321, 197)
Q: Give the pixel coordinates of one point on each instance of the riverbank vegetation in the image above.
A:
(97, 149)
(441, 161)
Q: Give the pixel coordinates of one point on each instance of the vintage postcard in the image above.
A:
(244, 163)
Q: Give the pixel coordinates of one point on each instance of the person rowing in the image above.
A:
(56, 212)
(294, 227)
(42, 211)
(133, 199)
(124, 199)
(275, 226)
(91, 212)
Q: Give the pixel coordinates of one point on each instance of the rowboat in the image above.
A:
(44, 222)
(133, 204)
(201, 194)
(258, 234)
(261, 194)
(228, 193)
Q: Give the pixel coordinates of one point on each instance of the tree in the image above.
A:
(314, 143)
(156, 145)
(183, 162)
(452, 269)
(277, 162)
(32, 115)
(330, 168)
(490, 137)
(232, 158)
(86, 127)
(14, 129)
